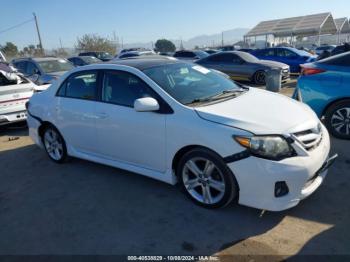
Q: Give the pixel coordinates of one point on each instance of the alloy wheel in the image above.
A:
(53, 144)
(203, 180)
(340, 121)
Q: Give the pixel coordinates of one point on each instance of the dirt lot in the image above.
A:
(85, 208)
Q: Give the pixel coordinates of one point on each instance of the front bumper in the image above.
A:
(257, 178)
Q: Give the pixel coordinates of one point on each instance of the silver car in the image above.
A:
(42, 70)
(242, 66)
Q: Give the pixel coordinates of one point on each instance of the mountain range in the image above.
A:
(229, 36)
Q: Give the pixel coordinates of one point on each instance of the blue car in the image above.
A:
(325, 86)
(287, 55)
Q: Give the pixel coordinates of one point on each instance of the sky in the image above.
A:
(145, 20)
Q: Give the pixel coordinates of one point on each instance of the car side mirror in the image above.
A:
(146, 104)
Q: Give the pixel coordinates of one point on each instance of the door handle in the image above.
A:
(102, 115)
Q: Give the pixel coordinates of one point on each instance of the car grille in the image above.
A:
(311, 138)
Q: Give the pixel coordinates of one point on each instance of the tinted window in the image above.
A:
(82, 85)
(339, 60)
(285, 53)
(268, 52)
(123, 88)
(129, 55)
(184, 54)
(224, 58)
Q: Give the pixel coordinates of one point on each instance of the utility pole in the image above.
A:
(222, 39)
(37, 29)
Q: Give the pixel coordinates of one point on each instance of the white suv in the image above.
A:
(180, 122)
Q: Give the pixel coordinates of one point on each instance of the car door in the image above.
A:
(125, 135)
(75, 110)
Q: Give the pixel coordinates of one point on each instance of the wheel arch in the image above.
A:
(181, 152)
(332, 103)
(44, 125)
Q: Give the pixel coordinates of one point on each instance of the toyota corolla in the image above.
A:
(182, 123)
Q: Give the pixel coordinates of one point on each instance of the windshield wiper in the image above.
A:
(224, 94)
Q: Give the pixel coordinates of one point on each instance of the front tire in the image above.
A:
(259, 78)
(206, 179)
(54, 144)
(337, 119)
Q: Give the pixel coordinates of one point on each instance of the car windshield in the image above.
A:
(189, 83)
(90, 59)
(201, 54)
(104, 55)
(58, 65)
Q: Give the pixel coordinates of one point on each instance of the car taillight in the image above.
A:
(311, 71)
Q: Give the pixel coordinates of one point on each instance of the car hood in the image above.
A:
(261, 112)
(273, 64)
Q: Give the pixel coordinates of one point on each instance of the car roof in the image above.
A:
(144, 63)
(38, 59)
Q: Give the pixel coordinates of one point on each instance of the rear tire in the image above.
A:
(54, 144)
(337, 119)
(206, 179)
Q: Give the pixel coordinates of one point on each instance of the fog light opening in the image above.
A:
(281, 189)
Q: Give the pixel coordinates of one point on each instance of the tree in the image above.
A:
(164, 45)
(9, 49)
(90, 42)
(31, 50)
(60, 52)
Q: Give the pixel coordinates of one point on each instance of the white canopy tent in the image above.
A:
(310, 25)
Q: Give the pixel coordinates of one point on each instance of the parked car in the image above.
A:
(325, 86)
(243, 66)
(104, 56)
(190, 55)
(15, 91)
(42, 70)
(177, 121)
(341, 49)
(287, 55)
(329, 48)
(83, 60)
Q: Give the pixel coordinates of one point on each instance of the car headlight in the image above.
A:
(269, 147)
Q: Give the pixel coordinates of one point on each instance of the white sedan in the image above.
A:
(179, 122)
